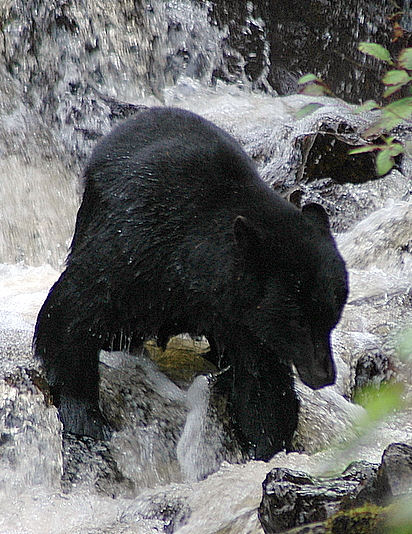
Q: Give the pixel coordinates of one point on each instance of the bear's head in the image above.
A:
(300, 287)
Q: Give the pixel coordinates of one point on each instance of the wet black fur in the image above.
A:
(177, 233)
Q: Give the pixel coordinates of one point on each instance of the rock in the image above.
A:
(383, 239)
(30, 433)
(102, 470)
(395, 472)
(171, 512)
(348, 203)
(293, 498)
(141, 403)
(318, 425)
(372, 368)
(370, 519)
(279, 41)
(394, 476)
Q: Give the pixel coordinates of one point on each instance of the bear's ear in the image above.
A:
(317, 214)
(246, 236)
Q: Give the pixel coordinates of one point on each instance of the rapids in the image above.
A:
(172, 466)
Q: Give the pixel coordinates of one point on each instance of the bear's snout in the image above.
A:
(320, 370)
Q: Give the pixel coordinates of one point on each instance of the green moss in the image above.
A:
(182, 359)
(369, 519)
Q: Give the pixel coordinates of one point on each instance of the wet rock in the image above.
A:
(289, 159)
(283, 41)
(395, 472)
(146, 407)
(379, 263)
(292, 498)
(89, 462)
(147, 410)
(349, 203)
(327, 156)
(383, 239)
(171, 512)
(394, 476)
(372, 368)
(318, 425)
(82, 65)
(313, 528)
(70, 71)
(30, 433)
(366, 520)
(183, 358)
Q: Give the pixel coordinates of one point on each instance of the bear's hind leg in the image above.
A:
(67, 341)
(77, 395)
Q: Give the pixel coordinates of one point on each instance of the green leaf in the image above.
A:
(392, 89)
(384, 162)
(366, 106)
(405, 58)
(396, 77)
(374, 129)
(314, 89)
(307, 78)
(396, 148)
(392, 115)
(400, 108)
(307, 110)
(362, 149)
(376, 50)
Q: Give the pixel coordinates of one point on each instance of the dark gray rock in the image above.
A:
(292, 498)
(88, 461)
(280, 41)
(394, 476)
(372, 368)
(395, 472)
(172, 512)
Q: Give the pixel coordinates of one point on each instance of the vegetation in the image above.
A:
(365, 520)
(397, 83)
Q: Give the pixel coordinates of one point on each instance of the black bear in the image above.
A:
(177, 233)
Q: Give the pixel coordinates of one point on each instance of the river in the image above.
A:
(172, 466)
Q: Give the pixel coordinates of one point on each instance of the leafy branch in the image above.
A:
(391, 115)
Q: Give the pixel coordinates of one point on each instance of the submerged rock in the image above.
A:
(30, 434)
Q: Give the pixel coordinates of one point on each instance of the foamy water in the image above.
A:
(31, 500)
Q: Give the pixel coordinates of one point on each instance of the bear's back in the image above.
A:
(174, 149)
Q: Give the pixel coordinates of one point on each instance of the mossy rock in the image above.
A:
(369, 519)
(183, 358)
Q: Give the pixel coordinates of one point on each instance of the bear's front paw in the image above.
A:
(83, 418)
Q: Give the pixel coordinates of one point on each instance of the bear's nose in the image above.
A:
(318, 374)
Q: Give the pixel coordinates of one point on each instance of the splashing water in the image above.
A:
(169, 443)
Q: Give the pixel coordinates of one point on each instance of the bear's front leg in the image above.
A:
(264, 403)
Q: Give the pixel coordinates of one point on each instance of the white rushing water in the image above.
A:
(30, 498)
(185, 484)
